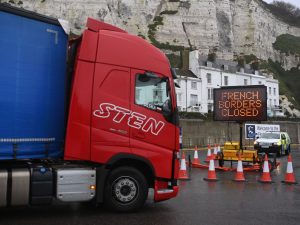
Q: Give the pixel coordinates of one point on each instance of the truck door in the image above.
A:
(110, 109)
(151, 134)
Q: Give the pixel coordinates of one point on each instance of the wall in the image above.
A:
(201, 133)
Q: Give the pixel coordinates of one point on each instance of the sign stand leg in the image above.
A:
(241, 136)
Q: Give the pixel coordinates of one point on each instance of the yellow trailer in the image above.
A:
(231, 151)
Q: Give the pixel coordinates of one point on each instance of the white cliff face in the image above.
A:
(230, 26)
(288, 107)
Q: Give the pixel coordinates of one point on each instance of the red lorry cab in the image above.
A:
(123, 106)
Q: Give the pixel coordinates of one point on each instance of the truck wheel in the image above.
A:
(288, 150)
(126, 190)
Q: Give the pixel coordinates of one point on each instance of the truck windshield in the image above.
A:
(152, 91)
(270, 135)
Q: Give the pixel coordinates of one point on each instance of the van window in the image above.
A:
(270, 135)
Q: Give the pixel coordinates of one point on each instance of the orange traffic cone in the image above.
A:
(211, 171)
(182, 172)
(215, 151)
(266, 177)
(196, 162)
(208, 154)
(239, 176)
(196, 158)
(289, 176)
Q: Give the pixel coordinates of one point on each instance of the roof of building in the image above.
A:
(226, 65)
(185, 73)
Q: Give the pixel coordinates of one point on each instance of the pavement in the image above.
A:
(199, 202)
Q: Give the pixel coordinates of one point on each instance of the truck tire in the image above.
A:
(126, 190)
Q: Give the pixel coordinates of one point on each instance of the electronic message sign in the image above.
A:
(240, 103)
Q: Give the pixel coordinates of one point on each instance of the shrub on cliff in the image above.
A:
(287, 43)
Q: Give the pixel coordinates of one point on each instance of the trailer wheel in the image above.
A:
(126, 190)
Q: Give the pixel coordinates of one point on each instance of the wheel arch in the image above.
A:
(135, 161)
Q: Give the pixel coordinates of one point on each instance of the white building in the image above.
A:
(196, 85)
(189, 92)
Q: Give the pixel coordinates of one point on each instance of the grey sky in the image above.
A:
(294, 2)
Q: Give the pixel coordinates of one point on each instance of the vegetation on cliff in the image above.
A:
(158, 21)
(285, 11)
(289, 81)
(287, 43)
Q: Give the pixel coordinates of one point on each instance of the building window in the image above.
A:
(210, 94)
(225, 80)
(208, 78)
(270, 102)
(270, 91)
(274, 91)
(194, 100)
(259, 82)
(245, 82)
(274, 102)
(194, 85)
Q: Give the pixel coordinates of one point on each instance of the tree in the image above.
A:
(211, 57)
(287, 8)
(285, 11)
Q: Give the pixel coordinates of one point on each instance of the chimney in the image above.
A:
(185, 57)
(209, 64)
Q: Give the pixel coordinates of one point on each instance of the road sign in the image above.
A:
(253, 131)
(240, 103)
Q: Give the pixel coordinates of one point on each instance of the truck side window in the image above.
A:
(152, 91)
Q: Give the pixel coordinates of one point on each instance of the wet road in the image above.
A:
(199, 202)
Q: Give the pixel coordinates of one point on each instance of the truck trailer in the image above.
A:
(88, 119)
